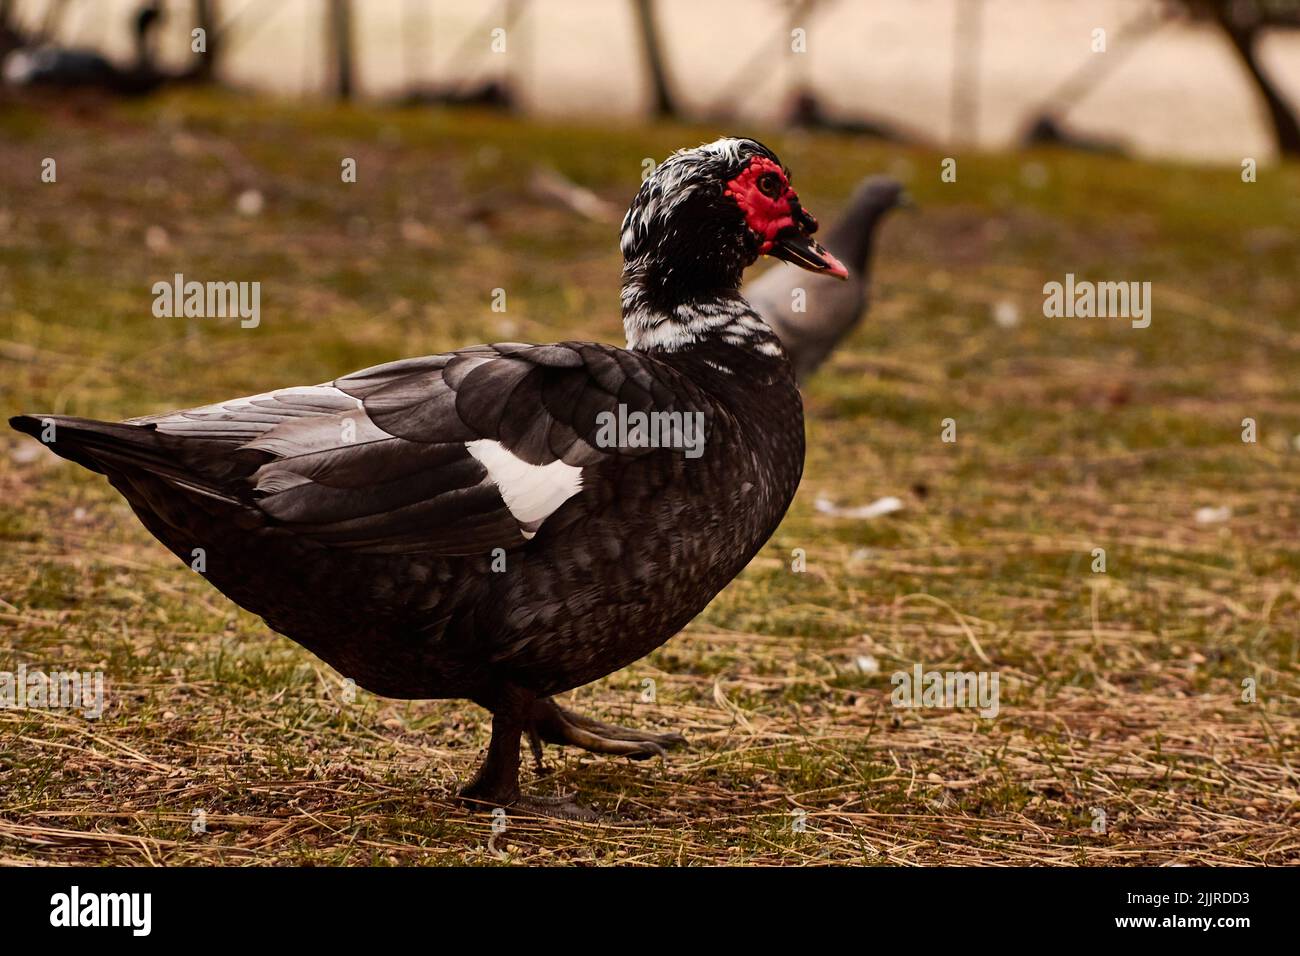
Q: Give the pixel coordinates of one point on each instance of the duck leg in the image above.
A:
(496, 784)
(553, 724)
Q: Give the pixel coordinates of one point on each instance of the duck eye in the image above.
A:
(769, 184)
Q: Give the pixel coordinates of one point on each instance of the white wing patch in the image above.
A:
(532, 492)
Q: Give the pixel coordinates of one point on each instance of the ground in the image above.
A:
(1125, 694)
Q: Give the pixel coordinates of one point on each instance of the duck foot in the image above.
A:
(563, 807)
(555, 725)
(497, 782)
(476, 796)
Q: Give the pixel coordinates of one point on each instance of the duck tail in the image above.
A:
(99, 446)
(111, 448)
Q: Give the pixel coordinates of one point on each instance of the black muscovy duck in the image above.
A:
(54, 67)
(469, 525)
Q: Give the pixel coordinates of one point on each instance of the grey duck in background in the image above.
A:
(832, 310)
(456, 526)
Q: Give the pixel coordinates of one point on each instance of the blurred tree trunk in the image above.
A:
(205, 18)
(664, 104)
(339, 47)
(1286, 130)
(1244, 21)
(9, 38)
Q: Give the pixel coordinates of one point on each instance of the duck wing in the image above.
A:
(450, 454)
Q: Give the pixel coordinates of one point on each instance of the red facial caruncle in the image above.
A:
(764, 196)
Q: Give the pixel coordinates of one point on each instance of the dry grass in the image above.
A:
(1119, 691)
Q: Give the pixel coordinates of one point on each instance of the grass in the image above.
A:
(1121, 693)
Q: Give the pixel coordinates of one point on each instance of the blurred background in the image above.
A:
(1192, 79)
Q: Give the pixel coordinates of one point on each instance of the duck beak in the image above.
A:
(796, 245)
(807, 253)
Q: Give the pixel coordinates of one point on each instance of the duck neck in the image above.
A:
(670, 313)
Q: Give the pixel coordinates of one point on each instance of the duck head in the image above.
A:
(706, 214)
